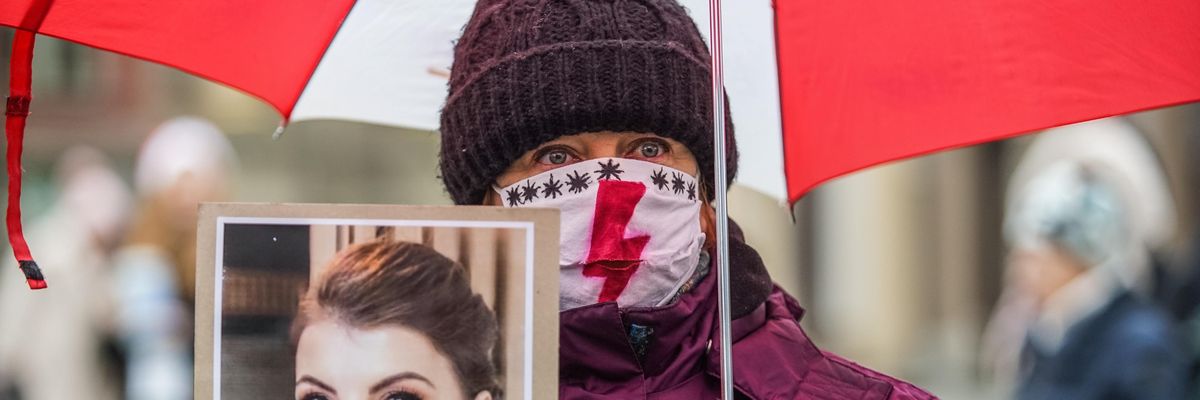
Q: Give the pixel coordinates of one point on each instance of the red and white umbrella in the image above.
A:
(862, 82)
(378, 61)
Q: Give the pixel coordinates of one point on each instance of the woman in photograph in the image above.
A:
(394, 321)
(602, 109)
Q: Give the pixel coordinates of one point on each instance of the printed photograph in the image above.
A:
(353, 306)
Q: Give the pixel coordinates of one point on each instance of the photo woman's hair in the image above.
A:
(388, 283)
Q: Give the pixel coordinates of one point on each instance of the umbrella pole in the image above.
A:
(722, 210)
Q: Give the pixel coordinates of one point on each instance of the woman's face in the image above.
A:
(568, 150)
(338, 362)
(1043, 270)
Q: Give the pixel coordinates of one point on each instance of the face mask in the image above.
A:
(630, 229)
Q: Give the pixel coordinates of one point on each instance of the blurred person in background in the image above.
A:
(185, 161)
(53, 343)
(1183, 297)
(1087, 208)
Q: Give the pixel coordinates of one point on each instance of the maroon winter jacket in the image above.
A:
(773, 358)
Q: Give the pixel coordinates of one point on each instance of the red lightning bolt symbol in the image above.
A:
(613, 256)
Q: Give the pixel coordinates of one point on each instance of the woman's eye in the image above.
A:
(650, 149)
(555, 157)
(402, 396)
(314, 396)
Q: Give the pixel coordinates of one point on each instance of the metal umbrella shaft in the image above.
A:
(722, 210)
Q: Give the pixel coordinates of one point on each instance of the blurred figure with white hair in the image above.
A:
(185, 161)
(1086, 208)
(52, 342)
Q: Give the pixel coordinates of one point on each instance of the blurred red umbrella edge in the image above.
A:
(268, 49)
(868, 82)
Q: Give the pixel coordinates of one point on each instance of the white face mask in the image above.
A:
(630, 229)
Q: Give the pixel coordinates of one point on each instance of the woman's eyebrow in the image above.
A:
(554, 145)
(384, 383)
(316, 382)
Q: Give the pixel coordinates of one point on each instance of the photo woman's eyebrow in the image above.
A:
(316, 382)
(384, 383)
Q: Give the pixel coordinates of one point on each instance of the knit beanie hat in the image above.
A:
(529, 71)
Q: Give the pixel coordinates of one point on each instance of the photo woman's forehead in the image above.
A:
(333, 353)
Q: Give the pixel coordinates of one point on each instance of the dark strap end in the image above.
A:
(33, 274)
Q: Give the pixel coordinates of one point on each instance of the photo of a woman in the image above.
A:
(393, 320)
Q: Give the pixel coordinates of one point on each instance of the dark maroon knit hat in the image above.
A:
(529, 71)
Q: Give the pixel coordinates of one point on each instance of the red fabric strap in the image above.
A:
(16, 111)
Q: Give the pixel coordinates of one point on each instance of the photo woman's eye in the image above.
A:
(402, 395)
(314, 396)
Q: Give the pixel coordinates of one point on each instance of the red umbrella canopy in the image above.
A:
(866, 82)
(266, 48)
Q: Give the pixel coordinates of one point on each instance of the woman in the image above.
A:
(394, 321)
(185, 161)
(1092, 335)
(601, 108)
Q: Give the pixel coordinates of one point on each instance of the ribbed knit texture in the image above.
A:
(529, 71)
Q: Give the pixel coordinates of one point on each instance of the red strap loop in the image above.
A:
(16, 111)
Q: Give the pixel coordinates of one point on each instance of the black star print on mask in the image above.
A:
(609, 171)
(677, 182)
(552, 188)
(529, 192)
(658, 178)
(514, 197)
(691, 191)
(579, 182)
